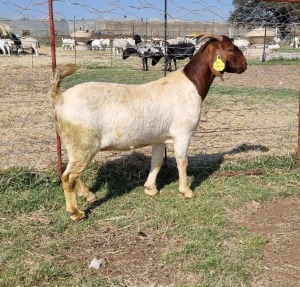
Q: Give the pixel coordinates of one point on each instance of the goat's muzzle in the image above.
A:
(236, 69)
(242, 68)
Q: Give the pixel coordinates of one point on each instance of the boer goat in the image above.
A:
(92, 117)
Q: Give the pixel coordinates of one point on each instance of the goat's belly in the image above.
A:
(122, 148)
(119, 141)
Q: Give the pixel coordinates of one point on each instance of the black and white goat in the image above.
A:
(172, 52)
(144, 52)
(175, 52)
(23, 43)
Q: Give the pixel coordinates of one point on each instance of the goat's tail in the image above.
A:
(60, 73)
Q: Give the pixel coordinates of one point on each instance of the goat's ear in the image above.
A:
(217, 62)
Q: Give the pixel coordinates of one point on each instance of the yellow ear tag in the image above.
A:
(219, 64)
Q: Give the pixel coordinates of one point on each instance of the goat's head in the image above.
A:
(128, 52)
(224, 56)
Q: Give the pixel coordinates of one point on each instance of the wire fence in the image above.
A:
(249, 115)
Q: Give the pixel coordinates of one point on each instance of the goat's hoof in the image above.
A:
(188, 194)
(151, 191)
(91, 198)
(78, 215)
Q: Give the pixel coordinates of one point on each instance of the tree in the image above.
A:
(256, 12)
(253, 13)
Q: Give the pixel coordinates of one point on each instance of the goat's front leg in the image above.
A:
(156, 163)
(175, 64)
(180, 149)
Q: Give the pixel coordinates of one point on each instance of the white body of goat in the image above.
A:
(119, 45)
(6, 46)
(29, 43)
(100, 44)
(243, 44)
(296, 42)
(93, 116)
(68, 43)
(137, 117)
(274, 46)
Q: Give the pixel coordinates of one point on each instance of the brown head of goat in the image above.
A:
(217, 48)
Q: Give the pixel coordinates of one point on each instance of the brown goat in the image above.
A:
(93, 117)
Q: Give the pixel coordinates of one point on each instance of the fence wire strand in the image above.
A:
(256, 111)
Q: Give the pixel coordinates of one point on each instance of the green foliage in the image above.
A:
(252, 12)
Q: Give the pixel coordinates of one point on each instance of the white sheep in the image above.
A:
(92, 117)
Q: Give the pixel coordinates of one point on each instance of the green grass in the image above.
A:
(254, 96)
(112, 75)
(36, 232)
(275, 61)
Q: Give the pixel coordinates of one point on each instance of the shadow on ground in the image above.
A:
(122, 175)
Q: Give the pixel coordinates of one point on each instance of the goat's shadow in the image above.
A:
(122, 175)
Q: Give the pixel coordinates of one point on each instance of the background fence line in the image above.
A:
(256, 112)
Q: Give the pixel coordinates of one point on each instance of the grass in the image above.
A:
(275, 61)
(36, 233)
(254, 96)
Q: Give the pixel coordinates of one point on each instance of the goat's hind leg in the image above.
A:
(156, 163)
(71, 180)
(83, 191)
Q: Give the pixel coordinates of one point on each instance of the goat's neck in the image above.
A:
(198, 71)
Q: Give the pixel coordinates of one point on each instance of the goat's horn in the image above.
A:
(202, 36)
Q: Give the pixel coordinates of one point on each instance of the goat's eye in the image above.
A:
(230, 50)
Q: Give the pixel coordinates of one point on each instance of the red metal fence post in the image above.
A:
(53, 56)
(298, 152)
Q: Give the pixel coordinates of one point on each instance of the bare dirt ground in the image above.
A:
(28, 139)
(279, 223)
(137, 257)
